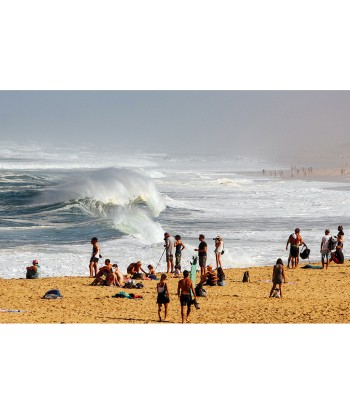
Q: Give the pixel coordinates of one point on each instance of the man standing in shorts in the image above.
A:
(295, 240)
(202, 254)
(324, 249)
(184, 288)
(169, 251)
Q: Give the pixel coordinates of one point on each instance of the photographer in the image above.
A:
(169, 251)
(219, 250)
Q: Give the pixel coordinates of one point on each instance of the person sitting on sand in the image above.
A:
(115, 278)
(278, 277)
(184, 288)
(33, 272)
(103, 271)
(295, 240)
(137, 274)
(151, 272)
(324, 249)
(210, 277)
(162, 297)
(177, 272)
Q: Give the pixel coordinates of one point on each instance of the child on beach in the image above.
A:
(162, 297)
(115, 278)
(151, 272)
(177, 271)
(278, 277)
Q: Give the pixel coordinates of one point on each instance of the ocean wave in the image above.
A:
(128, 199)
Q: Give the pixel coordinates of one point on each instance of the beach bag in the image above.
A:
(223, 249)
(246, 277)
(52, 295)
(332, 243)
(305, 252)
(276, 293)
(130, 284)
(221, 275)
(139, 285)
(200, 291)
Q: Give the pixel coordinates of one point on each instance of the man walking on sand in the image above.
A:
(169, 252)
(295, 240)
(324, 249)
(184, 288)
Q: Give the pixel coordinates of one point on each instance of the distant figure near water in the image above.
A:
(324, 249)
(33, 272)
(95, 256)
(295, 240)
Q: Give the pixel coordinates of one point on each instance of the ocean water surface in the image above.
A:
(53, 201)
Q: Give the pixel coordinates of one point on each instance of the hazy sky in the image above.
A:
(264, 123)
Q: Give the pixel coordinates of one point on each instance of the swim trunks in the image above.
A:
(202, 260)
(294, 251)
(185, 300)
(170, 257)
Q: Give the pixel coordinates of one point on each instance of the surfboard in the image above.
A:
(193, 273)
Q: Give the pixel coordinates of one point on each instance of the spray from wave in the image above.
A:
(129, 200)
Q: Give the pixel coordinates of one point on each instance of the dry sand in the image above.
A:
(310, 296)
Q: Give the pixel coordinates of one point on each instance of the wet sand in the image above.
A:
(309, 296)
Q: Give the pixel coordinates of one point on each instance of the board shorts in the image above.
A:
(170, 257)
(325, 255)
(202, 260)
(185, 300)
(294, 251)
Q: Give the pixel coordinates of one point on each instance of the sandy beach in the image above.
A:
(309, 296)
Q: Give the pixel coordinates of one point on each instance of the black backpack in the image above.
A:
(305, 252)
(221, 275)
(332, 243)
(200, 291)
(246, 277)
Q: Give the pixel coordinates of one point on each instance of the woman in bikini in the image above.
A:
(278, 277)
(95, 256)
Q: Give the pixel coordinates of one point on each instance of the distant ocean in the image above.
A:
(53, 201)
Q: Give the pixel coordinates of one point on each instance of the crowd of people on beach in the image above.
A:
(331, 249)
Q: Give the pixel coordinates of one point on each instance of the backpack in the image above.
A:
(305, 252)
(200, 291)
(246, 277)
(221, 274)
(130, 284)
(332, 243)
(52, 295)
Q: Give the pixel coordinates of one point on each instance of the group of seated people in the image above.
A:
(109, 275)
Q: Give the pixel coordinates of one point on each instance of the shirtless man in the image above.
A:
(115, 278)
(104, 271)
(295, 240)
(184, 288)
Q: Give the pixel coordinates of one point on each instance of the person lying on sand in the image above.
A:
(103, 271)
